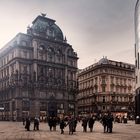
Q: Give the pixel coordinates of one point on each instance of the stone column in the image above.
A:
(34, 45)
(10, 116)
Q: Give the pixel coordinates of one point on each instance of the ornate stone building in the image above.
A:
(106, 86)
(137, 57)
(37, 73)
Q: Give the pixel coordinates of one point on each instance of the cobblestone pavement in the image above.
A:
(16, 131)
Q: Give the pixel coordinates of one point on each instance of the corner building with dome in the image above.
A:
(106, 86)
(38, 73)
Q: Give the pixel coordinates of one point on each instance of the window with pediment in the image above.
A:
(50, 50)
(24, 54)
(41, 47)
(50, 54)
(69, 52)
(25, 105)
(58, 55)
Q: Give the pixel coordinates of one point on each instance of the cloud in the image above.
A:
(93, 27)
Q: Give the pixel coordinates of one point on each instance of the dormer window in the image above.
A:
(41, 47)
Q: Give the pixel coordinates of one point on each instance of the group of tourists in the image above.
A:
(87, 122)
(107, 122)
(52, 122)
(71, 123)
(27, 123)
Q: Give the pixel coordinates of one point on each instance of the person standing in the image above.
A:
(54, 123)
(75, 124)
(84, 124)
(28, 122)
(50, 123)
(36, 123)
(71, 124)
(62, 125)
(91, 123)
(105, 123)
(110, 120)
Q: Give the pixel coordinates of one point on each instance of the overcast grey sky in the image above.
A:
(95, 28)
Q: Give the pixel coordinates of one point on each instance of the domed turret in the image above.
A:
(104, 60)
(45, 27)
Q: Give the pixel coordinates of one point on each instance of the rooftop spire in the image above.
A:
(65, 39)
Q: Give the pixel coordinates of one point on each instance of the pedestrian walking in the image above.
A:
(54, 123)
(75, 124)
(71, 125)
(91, 122)
(62, 125)
(36, 123)
(50, 123)
(27, 125)
(84, 124)
(105, 123)
(110, 120)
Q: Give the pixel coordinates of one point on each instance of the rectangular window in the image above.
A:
(103, 88)
(103, 99)
(24, 54)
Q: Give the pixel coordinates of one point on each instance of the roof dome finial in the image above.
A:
(65, 39)
(103, 60)
(43, 14)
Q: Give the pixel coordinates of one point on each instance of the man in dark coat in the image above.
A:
(50, 123)
(62, 125)
(75, 124)
(91, 123)
(71, 123)
(54, 123)
(105, 123)
(110, 120)
(84, 124)
(36, 123)
(27, 126)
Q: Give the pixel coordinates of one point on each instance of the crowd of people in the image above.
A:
(86, 122)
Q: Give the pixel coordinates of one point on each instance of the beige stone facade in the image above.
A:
(37, 73)
(106, 86)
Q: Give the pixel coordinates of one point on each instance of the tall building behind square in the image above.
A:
(106, 86)
(38, 73)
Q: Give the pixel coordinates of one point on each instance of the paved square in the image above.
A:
(16, 131)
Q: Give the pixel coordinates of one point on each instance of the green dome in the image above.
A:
(47, 28)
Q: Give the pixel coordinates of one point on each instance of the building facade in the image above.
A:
(37, 73)
(137, 57)
(106, 86)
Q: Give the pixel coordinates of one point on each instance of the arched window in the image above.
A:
(41, 47)
(58, 52)
(50, 50)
